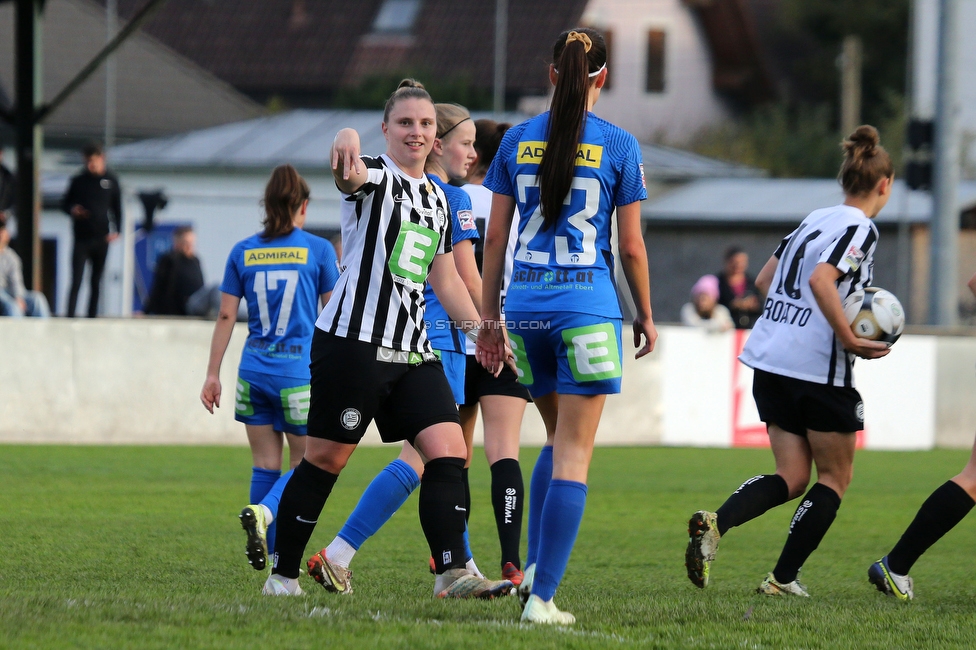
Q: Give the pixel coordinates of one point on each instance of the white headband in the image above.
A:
(592, 74)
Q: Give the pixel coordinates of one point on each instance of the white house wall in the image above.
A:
(688, 102)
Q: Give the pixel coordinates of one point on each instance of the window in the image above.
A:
(655, 61)
(396, 17)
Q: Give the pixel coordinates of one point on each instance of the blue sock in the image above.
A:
(262, 480)
(271, 500)
(468, 555)
(561, 518)
(538, 487)
(384, 496)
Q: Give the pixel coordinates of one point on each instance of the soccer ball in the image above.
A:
(875, 314)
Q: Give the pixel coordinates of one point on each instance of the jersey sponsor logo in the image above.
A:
(287, 255)
(295, 404)
(530, 153)
(643, 180)
(854, 257)
(467, 220)
(350, 419)
(783, 311)
(522, 367)
(412, 255)
(554, 279)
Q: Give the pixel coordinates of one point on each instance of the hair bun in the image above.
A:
(863, 142)
(411, 83)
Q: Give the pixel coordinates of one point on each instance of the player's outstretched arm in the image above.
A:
(347, 169)
(210, 395)
(823, 283)
(633, 260)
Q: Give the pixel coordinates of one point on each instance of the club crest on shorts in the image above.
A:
(350, 419)
(859, 411)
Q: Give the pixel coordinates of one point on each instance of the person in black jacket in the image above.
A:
(178, 276)
(737, 289)
(7, 190)
(92, 195)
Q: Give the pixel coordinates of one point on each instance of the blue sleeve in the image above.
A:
(233, 283)
(462, 218)
(328, 268)
(632, 187)
(498, 179)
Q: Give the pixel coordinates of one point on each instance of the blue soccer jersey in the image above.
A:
(568, 267)
(440, 332)
(281, 280)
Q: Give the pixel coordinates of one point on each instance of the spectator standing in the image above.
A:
(91, 197)
(737, 289)
(15, 300)
(704, 310)
(178, 276)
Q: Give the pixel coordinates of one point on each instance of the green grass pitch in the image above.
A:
(140, 547)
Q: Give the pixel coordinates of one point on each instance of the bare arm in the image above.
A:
(823, 282)
(633, 260)
(324, 299)
(450, 290)
(491, 349)
(210, 395)
(347, 169)
(467, 267)
(765, 277)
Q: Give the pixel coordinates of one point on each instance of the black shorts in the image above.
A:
(354, 382)
(796, 405)
(478, 382)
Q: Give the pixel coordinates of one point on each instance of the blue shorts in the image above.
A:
(454, 364)
(570, 353)
(269, 399)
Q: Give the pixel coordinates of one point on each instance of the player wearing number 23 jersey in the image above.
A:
(567, 271)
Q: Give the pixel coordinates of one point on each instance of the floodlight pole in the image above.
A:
(28, 138)
(501, 60)
(944, 298)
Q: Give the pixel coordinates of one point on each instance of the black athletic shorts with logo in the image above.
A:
(478, 382)
(354, 382)
(796, 405)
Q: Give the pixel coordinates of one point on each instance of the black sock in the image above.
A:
(298, 512)
(809, 525)
(442, 512)
(944, 508)
(507, 494)
(467, 495)
(754, 497)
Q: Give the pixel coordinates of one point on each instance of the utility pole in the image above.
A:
(111, 27)
(501, 55)
(851, 62)
(944, 298)
(28, 137)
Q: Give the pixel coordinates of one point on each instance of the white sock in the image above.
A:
(340, 552)
(291, 584)
(473, 568)
(268, 517)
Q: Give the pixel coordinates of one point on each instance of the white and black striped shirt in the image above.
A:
(392, 228)
(792, 337)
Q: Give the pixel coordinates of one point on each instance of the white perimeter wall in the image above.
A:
(138, 382)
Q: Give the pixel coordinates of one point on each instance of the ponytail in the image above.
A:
(865, 161)
(576, 55)
(283, 196)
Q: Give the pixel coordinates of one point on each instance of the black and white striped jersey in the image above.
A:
(792, 337)
(392, 228)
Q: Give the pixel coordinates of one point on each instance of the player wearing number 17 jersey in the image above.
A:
(569, 173)
(283, 273)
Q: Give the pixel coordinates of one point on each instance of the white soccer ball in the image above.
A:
(875, 314)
